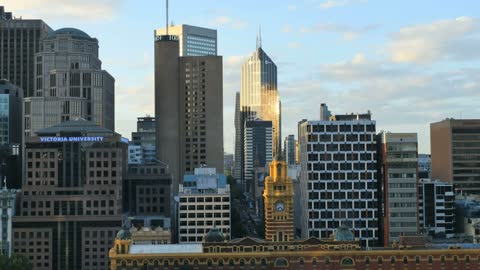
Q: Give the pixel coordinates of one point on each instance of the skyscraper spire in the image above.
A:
(259, 37)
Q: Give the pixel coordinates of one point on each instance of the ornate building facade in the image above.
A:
(340, 251)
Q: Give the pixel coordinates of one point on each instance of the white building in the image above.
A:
(339, 177)
(7, 211)
(204, 203)
(436, 203)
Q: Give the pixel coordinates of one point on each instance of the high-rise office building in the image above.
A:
(339, 177)
(258, 100)
(11, 133)
(145, 138)
(69, 83)
(436, 206)
(7, 211)
(257, 148)
(193, 40)
(259, 93)
(204, 203)
(70, 206)
(20, 40)
(290, 149)
(146, 190)
(398, 172)
(324, 112)
(238, 167)
(188, 109)
(455, 149)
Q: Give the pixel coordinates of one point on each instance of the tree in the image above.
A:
(15, 262)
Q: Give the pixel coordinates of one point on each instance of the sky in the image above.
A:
(409, 62)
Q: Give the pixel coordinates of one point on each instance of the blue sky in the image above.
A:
(409, 62)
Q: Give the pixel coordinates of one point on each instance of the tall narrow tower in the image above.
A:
(279, 203)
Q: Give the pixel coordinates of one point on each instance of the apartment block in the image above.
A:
(338, 177)
(436, 201)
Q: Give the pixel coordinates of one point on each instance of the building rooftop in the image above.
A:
(73, 32)
(72, 126)
(166, 249)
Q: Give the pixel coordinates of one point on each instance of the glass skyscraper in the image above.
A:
(259, 94)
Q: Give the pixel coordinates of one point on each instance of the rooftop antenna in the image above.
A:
(166, 17)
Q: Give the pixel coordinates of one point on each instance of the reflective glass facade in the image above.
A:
(259, 93)
(4, 118)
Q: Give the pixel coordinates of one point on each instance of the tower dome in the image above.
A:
(214, 235)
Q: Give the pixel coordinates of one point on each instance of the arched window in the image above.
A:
(242, 262)
(455, 259)
(405, 260)
(252, 262)
(175, 263)
(430, 259)
(281, 262)
(380, 260)
(231, 263)
(124, 264)
(195, 263)
(347, 262)
(467, 259)
(301, 261)
(367, 260)
(165, 263)
(220, 262)
(314, 262)
(417, 260)
(135, 264)
(264, 262)
(185, 262)
(327, 260)
(209, 263)
(155, 263)
(392, 259)
(442, 259)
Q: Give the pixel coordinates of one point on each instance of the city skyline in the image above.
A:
(384, 62)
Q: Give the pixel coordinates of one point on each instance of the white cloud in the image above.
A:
(85, 10)
(347, 32)
(294, 45)
(126, 111)
(227, 21)
(287, 28)
(454, 39)
(339, 3)
(292, 7)
(402, 97)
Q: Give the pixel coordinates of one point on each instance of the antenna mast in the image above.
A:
(166, 17)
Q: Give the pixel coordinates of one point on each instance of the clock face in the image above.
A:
(280, 206)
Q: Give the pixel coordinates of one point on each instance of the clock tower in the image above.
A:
(279, 203)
